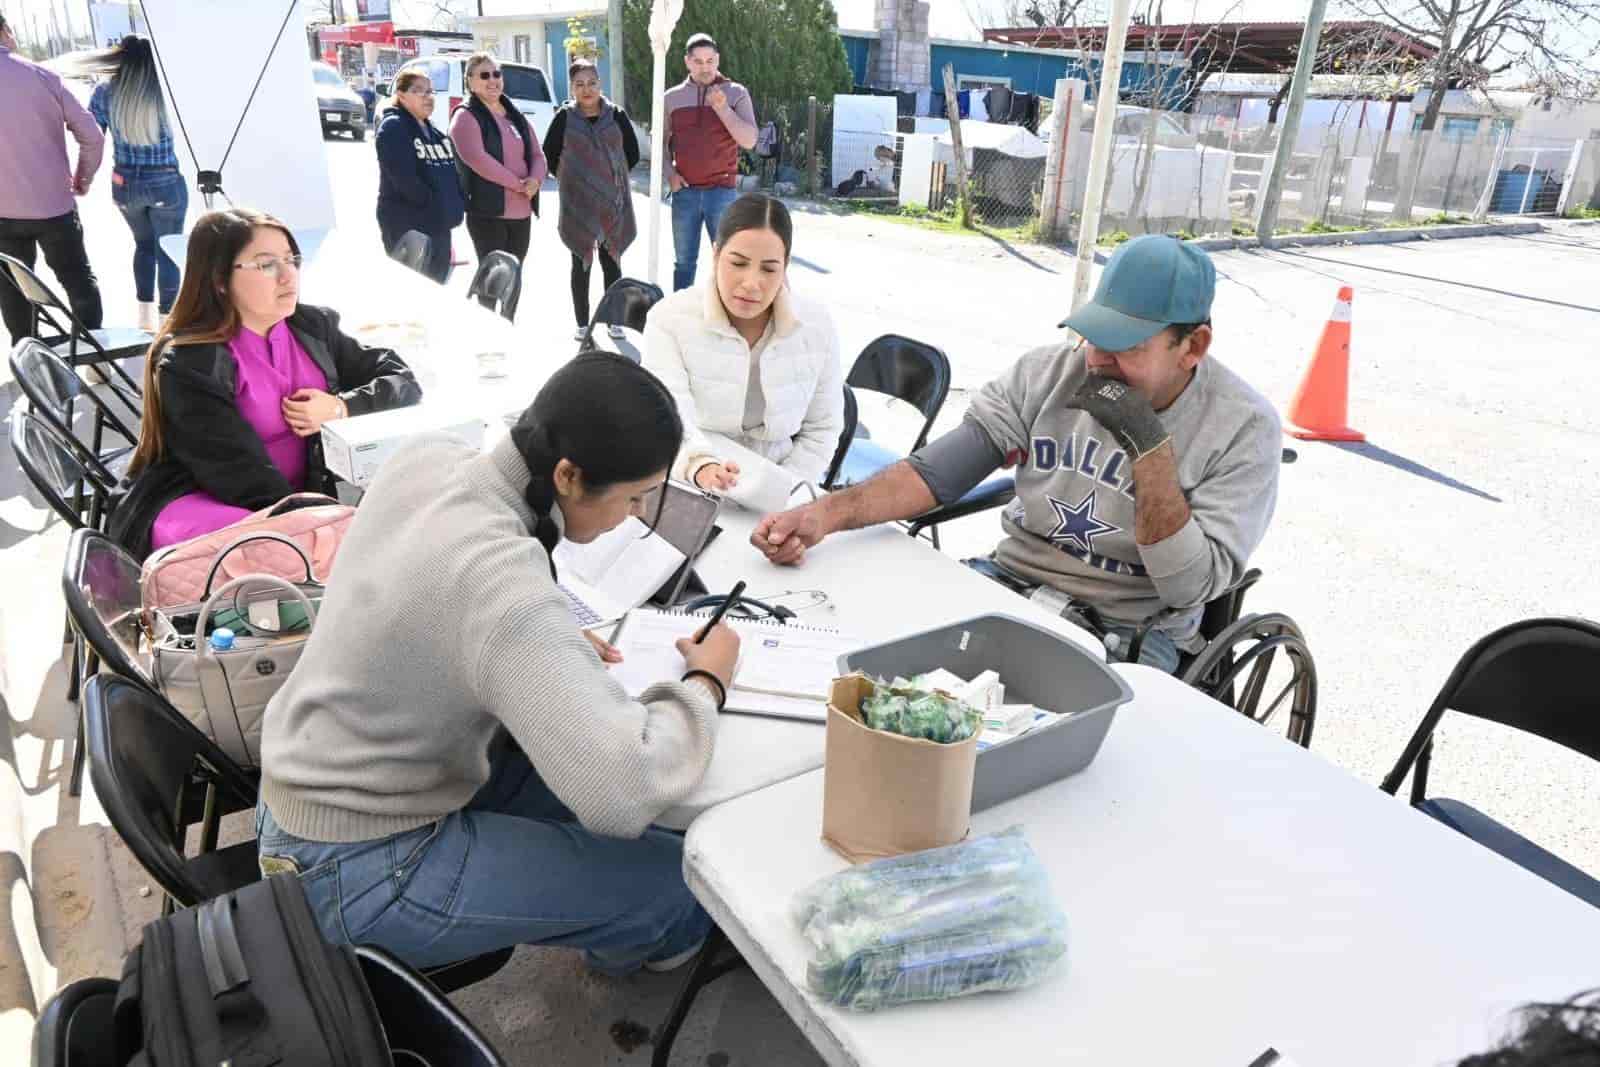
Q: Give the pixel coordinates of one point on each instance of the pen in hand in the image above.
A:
(722, 609)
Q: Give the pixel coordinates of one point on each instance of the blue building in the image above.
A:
(1025, 69)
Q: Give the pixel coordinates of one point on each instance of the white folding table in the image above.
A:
(883, 584)
(1226, 892)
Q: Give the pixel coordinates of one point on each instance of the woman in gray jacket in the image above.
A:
(450, 768)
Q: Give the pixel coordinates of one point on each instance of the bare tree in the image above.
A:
(1478, 39)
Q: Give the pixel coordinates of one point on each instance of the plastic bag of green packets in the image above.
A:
(904, 708)
(948, 922)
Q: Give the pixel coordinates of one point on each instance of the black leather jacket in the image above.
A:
(208, 444)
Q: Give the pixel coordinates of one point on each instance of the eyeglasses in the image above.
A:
(419, 92)
(489, 75)
(272, 266)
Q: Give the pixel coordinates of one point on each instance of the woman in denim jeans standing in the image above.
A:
(146, 184)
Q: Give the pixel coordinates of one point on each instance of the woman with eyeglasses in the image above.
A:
(418, 188)
(146, 185)
(238, 385)
(500, 161)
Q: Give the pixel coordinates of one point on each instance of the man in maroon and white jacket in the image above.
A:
(709, 118)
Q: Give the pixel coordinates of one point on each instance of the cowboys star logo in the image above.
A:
(1076, 523)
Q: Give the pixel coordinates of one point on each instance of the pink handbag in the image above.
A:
(177, 576)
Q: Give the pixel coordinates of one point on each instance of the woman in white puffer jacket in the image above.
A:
(754, 368)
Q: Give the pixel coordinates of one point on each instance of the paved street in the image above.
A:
(1473, 375)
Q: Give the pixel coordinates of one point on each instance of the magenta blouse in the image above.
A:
(270, 368)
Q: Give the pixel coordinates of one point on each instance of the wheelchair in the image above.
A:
(1245, 658)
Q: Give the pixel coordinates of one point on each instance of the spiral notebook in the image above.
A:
(785, 670)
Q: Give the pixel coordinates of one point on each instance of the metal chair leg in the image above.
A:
(705, 970)
(75, 782)
(73, 671)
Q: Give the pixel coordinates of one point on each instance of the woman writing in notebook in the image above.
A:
(754, 368)
(450, 767)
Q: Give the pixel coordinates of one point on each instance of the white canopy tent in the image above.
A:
(241, 102)
(663, 19)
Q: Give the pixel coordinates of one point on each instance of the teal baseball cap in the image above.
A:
(1150, 283)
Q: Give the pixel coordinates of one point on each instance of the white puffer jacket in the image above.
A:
(696, 352)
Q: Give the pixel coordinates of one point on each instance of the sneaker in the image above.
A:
(672, 963)
(617, 333)
(578, 336)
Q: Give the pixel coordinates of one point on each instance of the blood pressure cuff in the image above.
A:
(954, 463)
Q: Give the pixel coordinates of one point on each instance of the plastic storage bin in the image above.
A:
(1038, 667)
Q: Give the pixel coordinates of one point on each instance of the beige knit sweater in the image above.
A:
(441, 624)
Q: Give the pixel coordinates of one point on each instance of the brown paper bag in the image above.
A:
(883, 794)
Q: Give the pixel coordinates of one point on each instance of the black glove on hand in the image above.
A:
(1124, 411)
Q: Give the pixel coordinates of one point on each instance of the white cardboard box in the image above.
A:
(355, 448)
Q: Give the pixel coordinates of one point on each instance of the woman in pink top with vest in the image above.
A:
(237, 388)
(500, 162)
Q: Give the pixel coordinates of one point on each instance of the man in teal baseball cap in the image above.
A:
(1145, 471)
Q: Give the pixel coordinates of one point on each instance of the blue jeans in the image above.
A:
(1158, 651)
(511, 868)
(153, 201)
(693, 209)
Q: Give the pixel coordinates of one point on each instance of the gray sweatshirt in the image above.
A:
(1071, 524)
(441, 624)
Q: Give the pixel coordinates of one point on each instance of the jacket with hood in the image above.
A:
(417, 184)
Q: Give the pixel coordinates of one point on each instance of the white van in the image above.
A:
(526, 85)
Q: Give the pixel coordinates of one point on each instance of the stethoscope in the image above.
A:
(746, 608)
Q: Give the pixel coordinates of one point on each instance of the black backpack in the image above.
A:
(246, 979)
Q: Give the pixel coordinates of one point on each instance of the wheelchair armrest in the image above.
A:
(994, 493)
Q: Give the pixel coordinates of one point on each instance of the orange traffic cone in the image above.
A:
(1318, 411)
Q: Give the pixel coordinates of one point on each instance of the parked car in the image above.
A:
(527, 86)
(1133, 123)
(339, 108)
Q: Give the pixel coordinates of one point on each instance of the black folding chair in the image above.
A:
(1538, 676)
(157, 775)
(100, 583)
(847, 435)
(912, 371)
(53, 390)
(55, 324)
(498, 281)
(994, 492)
(56, 469)
(75, 1029)
(422, 1027)
(412, 249)
(626, 303)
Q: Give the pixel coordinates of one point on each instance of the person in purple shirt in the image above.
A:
(238, 385)
(37, 212)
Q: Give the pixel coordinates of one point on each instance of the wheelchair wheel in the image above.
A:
(1256, 656)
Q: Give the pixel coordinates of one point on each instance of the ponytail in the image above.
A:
(607, 416)
(534, 445)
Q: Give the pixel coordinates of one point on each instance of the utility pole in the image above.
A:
(1289, 131)
(1105, 120)
(952, 109)
(614, 45)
